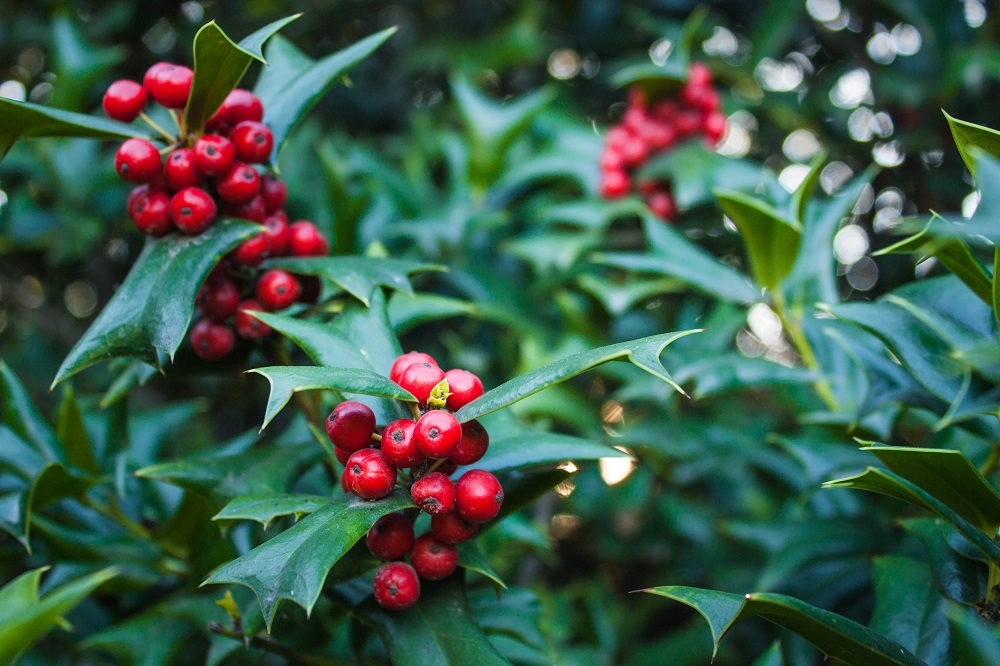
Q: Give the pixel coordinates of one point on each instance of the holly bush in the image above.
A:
(449, 333)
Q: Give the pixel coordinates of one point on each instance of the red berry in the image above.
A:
(149, 210)
(252, 251)
(437, 433)
(171, 86)
(614, 184)
(253, 141)
(180, 170)
(479, 496)
(276, 289)
(635, 119)
(192, 210)
(249, 327)
(699, 74)
(475, 440)
(464, 387)
(637, 97)
(448, 467)
(662, 204)
(665, 110)
(214, 155)
(342, 455)
(369, 476)
(611, 160)
(138, 161)
(688, 121)
(212, 341)
(432, 558)
(659, 135)
(617, 137)
(276, 230)
(239, 105)
(635, 151)
(350, 425)
(252, 210)
(218, 298)
(274, 191)
(420, 379)
(434, 493)
(124, 100)
(398, 445)
(239, 185)
(709, 101)
(390, 537)
(714, 126)
(149, 80)
(305, 240)
(405, 361)
(396, 586)
(452, 528)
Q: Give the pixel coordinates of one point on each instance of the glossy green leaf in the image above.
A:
(154, 305)
(72, 433)
(644, 353)
(969, 136)
(265, 508)
(471, 558)
(358, 276)
(286, 381)
(19, 413)
(294, 564)
(409, 310)
(973, 640)
(290, 92)
(536, 447)
(323, 343)
(800, 197)
(955, 576)
(438, 631)
(219, 64)
(771, 238)
(908, 608)
(695, 171)
(25, 618)
(834, 635)
(891, 484)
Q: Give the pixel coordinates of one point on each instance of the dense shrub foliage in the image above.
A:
(697, 275)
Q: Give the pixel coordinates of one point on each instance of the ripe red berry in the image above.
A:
(149, 79)
(614, 184)
(464, 387)
(274, 191)
(662, 204)
(276, 289)
(350, 425)
(252, 210)
(218, 298)
(405, 361)
(214, 155)
(432, 558)
(448, 467)
(398, 445)
(437, 433)
(479, 496)
(472, 447)
(212, 341)
(688, 121)
(248, 326)
(239, 105)
(192, 210)
(171, 86)
(276, 230)
(240, 184)
(253, 141)
(342, 455)
(452, 528)
(420, 379)
(369, 476)
(305, 240)
(397, 586)
(252, 251)
(149, 209)
(714, 126)
(390, 537)
(180, 170)
(124, 100)
(635, 151)
(611, 160)
(434, 493)
(699, 74)
(617, 137)
(138, 161)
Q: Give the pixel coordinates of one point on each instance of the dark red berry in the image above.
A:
(239, 105)
(192, 210)
(405, 361)
(452, 528)
(479, 496)
(350, 425)
(398, 445)
(432, 558)
(248, 326)
(138, 161)
(219, 297)
(434, 493)
(180, 170)
(276, 230)
(611, 160)
(274, 191)
(448, 467)
(171, 86)
(464, 387)
(437, 433)
(253, 141)
(342, 455)
(714, 126)
(396, 586)
(124, 100)
(635, 151)
(472, 447)
(240, 184)
(688, 122)
(662, 204)
(369, 476)
(420, 379)
(252, 210)
(212, 341)
(252, 251)
(276, 289)
(149, 80)
(699, 75)
(305, 240)
(614, 184)
(214, 155)
(150, 210)
(390, 537)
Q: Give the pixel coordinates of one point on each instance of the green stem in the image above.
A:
(793, 327)
(170, 138)
(992, 463)
(414, 410)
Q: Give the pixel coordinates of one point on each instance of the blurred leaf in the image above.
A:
(265, 508)
(969, 136)
(18, 413)
(620, 297)
(75, 59)
(771, 238)
(834, 635)
(358, 276)
(294, 564)
(471, 558)
(675, 68)
(973, 641)
(409, 310)
(72, 433)
(536, 447)
(771, 657)
(956, 577)
(695, 172)
(721, 373)
(908, 608)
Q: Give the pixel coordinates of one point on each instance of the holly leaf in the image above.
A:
(265, 508)
(535, 448)
(358, 276)
(771, 237)
(321, 342)
(969, 136)
(908, 608)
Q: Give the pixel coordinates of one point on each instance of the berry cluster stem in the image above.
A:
(167, 136)
(793, 326)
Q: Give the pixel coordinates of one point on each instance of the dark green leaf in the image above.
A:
(18, 413)
(323, 343)
(72, 433)
(969, 136)
(908, 608)
(956, 577)
(536, 447)
(771, 238)
(973, 640)
(471, 558)
(522, 487)
(409, 310)
(726, 372)
(265, 508)
(835, 635)
(694, 172)
(358, 276)
(644, 353)
(294, 564)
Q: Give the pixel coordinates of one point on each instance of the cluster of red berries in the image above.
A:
(647, 130)
(433, 446)
(203, 176)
